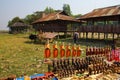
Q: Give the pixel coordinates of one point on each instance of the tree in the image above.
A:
(32, 17)
(66, 9)
(15, 19)
(38, 14)
(49, 10)
(77, 16)
(29, 18)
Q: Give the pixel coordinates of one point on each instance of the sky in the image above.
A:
(12, 8)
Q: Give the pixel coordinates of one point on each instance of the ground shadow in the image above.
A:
(88, 42)
(34, 42)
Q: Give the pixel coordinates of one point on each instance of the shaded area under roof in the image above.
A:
(102, 12)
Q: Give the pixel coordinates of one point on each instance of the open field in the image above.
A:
(18, 55)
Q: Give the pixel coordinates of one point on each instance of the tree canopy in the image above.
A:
(49, 10)
(38, 14)
(15, 19)
(66, 9)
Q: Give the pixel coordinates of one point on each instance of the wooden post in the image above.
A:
(66, 34)
(83, 34)
(105, 22)
(104, 35)
(79, 34)
(113, 36)
(58, 35)
(117, 35)
(35, 31)
(107, 36)
(92, 35)
(119, 25)
(98, 35)
(93, 24)
(73, 31)
(86, 35)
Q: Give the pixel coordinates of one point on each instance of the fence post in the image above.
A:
(113, 36)
(92, 35)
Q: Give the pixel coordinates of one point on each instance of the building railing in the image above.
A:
(101, 29)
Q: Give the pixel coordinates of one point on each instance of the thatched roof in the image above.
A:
(19, 24)
(49, 35)
(54, 17)
(102, 12)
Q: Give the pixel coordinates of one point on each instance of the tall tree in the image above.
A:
(66, 9)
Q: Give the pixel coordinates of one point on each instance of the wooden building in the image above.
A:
(54, 22)
(19, 27)
(102, 20)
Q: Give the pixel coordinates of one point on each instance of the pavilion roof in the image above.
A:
(19, 24)
(102, 12)
(54, 17)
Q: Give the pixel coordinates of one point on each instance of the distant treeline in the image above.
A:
(4, 31)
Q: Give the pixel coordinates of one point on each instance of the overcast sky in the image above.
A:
(12, 8)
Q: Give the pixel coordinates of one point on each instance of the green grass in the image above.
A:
(18, 55)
